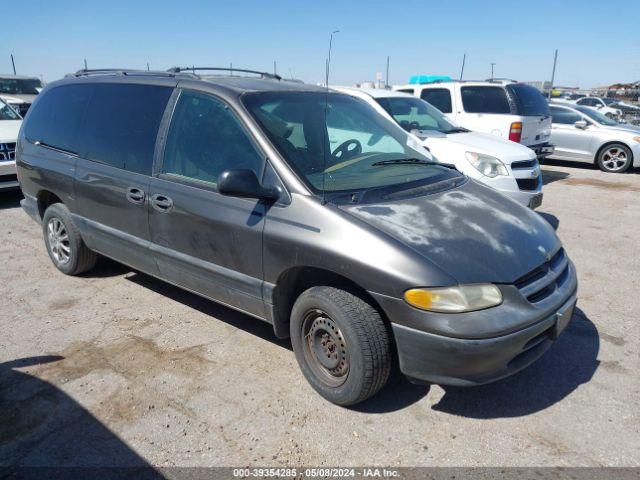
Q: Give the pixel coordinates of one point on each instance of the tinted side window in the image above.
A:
(205, 139)
(485, 100)
(57, 116)
(122, 123)
(564, 116)
(438, 97)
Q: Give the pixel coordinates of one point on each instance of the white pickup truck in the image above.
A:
(510, 110)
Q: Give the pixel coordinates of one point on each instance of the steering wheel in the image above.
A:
(348, 149)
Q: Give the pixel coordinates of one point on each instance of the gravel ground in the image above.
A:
(118, 368)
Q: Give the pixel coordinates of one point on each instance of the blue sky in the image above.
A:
(598, 43)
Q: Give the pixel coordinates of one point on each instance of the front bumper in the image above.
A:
(483, 346)
(8, 176)
(425, 357)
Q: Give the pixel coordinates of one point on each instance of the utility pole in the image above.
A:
(492, 65)
(386, 82)
(553, 72)
(147, 66)
(274, 68)
(85, 64)
(13, 64)
(464, 58)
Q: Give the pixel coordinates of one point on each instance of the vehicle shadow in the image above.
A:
(44, 433)
(550, 176)
(551, 219)
(568, 164)
(218, 311)
(569, 363)
(10, 199)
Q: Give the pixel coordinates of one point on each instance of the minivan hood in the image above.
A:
(472, 232)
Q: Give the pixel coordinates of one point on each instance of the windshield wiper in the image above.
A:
(405, 161)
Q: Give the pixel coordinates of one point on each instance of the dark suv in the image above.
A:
(304, 208)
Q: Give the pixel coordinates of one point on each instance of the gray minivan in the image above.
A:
(301, 207)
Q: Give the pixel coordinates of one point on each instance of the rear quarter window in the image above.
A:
(481, 99)
(529, 101)
(438, 97)
(122, 123)
(57, 116)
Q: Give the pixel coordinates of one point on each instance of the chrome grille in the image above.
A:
(7, 151)
(541, 282)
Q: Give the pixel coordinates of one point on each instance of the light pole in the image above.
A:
(492, 65)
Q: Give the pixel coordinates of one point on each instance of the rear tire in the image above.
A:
(63, 241)
(341, 344)
(615, 158)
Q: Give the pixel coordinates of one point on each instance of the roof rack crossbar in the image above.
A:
(225, 69)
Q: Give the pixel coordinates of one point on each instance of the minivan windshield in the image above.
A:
(411, 113)
(338, 143)
(20, 86)
(596, 116)
(7, 113)
(529, 100)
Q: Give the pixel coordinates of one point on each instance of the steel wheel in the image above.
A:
(58, 239)
(614, 158)
(325, 348)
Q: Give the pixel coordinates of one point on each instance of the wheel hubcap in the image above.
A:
(614, 158)
(58, 241)
(325, 348)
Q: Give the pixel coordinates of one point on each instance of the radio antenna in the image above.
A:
(326, 108)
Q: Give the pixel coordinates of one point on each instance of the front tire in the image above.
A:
(341, 344)
(63, 241)
(615, 158)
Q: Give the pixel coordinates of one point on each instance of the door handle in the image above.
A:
(161, 202)
(135, 195)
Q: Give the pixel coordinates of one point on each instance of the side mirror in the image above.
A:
(245, 184)
(581, 124)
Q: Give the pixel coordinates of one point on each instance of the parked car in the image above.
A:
(19, 91)
(510, 168)
(228, 187)
(606, 106)
(584, 134)
(10, 123)
(507, 109)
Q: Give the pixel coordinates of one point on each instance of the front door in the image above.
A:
(571, 142)
(204, 241)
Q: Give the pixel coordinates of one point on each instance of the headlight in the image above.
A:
(486, 164)
(463, 298)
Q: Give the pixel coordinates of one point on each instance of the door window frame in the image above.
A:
(163, 134)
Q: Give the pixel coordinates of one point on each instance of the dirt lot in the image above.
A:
(117, 368)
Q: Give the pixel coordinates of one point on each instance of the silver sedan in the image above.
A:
(583, 134)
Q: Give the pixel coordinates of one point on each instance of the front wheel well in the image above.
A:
(605, 145)
(296, 280)
(45, 199)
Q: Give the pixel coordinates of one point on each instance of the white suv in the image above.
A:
(510, 110)
(510, 168)
(10, 123)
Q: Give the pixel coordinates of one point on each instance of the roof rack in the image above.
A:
(117, 71)
(231, 70)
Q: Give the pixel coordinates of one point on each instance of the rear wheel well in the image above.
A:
(298, 279)
(45, 199)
